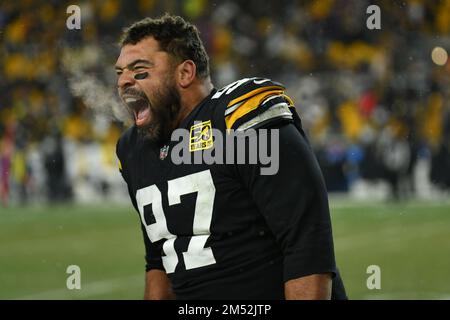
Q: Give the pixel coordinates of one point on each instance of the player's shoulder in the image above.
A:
(252, 103)
(245, 88)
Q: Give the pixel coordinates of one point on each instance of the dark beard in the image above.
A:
(164, 108)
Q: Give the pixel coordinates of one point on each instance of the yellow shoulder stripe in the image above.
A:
(120, 165)
(250, 104)
(289, 100)
(252, 93)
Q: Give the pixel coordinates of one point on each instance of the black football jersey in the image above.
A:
(223, 230)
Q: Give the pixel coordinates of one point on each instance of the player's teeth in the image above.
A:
(128, 100)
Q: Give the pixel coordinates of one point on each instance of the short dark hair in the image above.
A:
(175, 35)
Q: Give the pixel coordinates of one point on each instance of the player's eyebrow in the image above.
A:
(135, 62)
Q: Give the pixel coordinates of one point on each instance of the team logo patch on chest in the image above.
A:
(201, 137)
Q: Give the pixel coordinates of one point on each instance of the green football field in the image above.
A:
(410, 242)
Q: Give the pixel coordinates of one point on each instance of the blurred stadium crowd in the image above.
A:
(375, 106)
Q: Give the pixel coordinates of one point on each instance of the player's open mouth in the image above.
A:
(140, 108)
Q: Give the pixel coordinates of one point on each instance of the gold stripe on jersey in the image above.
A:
(250, 104)
(252, 93)
(289, 100)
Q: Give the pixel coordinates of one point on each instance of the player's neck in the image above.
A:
(191, 98)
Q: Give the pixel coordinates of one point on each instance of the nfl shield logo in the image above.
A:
(163, 152)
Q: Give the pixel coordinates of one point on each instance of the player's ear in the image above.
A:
(186, 72)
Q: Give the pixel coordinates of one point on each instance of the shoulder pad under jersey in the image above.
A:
(253, 103)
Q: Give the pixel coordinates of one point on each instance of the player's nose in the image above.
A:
(125, 80)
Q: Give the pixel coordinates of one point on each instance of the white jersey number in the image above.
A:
(196, 255)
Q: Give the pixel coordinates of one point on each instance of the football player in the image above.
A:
(220, 230)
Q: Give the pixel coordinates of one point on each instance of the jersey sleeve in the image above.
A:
(152, 250)
(257, 102)
(294, 204)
